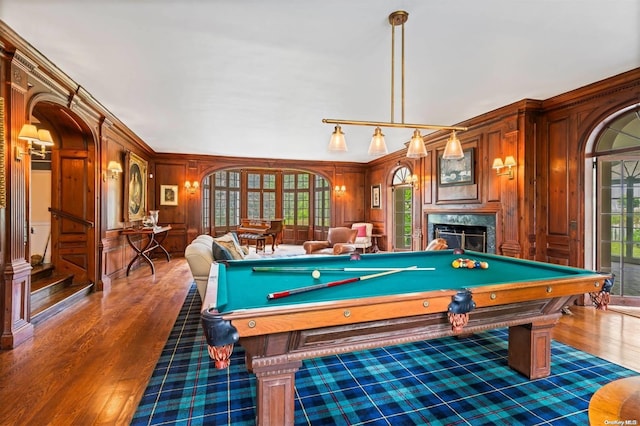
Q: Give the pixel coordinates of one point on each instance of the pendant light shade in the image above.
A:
(378, 146)
(453, 149)
(337, 142)
(416, 146)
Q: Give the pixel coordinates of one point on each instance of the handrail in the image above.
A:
(69, 216)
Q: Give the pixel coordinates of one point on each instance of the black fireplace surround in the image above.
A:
(474, 226)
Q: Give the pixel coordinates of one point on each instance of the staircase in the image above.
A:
(53, 292)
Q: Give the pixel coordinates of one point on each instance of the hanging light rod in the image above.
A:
(416, 148)
(396, 125)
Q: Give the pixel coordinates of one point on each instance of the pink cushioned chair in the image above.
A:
(363, 238)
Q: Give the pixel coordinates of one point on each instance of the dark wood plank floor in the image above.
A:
(90, 364)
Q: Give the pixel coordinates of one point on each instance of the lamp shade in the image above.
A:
(44, 138)
(509, 161)
(416, 146)
(453, 149)
(29, 132)
(497, 163)
(337, 142)
(114, 167)
(378, 146)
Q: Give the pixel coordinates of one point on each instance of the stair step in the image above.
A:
(44, 288)
(58, 301)
(41, 271)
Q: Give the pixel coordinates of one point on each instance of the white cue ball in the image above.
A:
(315, 274)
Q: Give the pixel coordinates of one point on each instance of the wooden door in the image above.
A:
(73, 214)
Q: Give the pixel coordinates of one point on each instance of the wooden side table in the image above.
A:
(154, 236)
(374, 247)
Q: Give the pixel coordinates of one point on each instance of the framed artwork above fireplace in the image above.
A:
(457, 172)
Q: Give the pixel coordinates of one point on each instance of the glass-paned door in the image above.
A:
(402, 218)
(619, 223)
(402, 210)
(296, 205)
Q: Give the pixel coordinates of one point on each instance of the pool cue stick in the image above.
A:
(321, 269)
(285, 293)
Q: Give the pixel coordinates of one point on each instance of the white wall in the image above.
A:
(40, 215)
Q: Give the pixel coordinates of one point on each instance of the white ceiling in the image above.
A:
(254, 78)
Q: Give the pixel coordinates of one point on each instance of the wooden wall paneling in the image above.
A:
(510, 200)
(427, 176)
(494, 148)
(353, 200)
(172, 174)
(557, 172)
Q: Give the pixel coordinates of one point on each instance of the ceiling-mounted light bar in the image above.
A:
(378, 146)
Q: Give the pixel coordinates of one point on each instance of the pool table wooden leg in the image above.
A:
(275, 393)
(530, 348)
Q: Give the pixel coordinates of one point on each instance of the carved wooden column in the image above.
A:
(16, 289)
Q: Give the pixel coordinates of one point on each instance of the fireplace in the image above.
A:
(462, 236)
(474, 224)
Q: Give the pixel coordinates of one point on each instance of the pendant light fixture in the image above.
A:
(416, 148)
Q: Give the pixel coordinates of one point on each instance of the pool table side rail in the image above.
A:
(303, 316)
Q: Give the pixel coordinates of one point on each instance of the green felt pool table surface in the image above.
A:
(241, 288)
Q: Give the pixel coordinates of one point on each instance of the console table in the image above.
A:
(154, 237)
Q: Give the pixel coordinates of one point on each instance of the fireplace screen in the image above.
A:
(463, 236)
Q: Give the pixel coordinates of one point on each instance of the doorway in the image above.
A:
(402, 210)
(616, 194)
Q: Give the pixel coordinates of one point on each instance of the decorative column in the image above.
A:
(16, 286)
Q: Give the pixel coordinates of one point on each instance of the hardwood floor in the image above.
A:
(91, 364)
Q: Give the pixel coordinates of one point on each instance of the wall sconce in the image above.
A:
(114, 168)
(191, 187)
(340, 190)
(412, 180)
(32, 135)
(509, 163)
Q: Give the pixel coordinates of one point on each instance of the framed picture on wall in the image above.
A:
(136, 188)
(168, 195)
(457, 172)
(376, 203)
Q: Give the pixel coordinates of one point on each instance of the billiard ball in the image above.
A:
(484, 265)
(315, 274)
(355, 256)
(458, 251)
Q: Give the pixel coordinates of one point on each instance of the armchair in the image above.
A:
(363, 238)
(339, 240)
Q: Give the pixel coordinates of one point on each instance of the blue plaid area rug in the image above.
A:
(445, 381)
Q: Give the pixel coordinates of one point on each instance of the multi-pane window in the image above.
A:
(206, 202)
(296, 198)
(261, 195)
(322, 202)
(226, 194)
(302, 199)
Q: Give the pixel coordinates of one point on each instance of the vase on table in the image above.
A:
(153, 215)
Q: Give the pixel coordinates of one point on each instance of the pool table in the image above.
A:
(432, 300)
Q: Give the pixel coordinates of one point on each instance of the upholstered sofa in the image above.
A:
(203, 250)
(339, 240)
